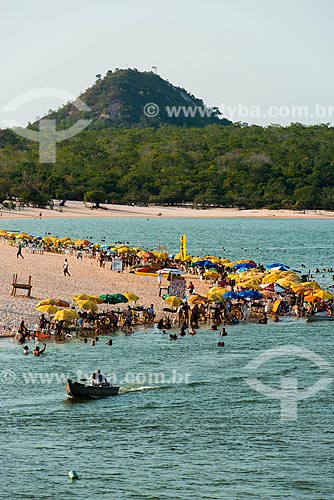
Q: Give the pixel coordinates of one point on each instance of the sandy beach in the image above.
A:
(48, 281)
(77, 209)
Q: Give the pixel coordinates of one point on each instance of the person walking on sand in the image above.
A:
(19, 252)
(65, 267)
(159, 278)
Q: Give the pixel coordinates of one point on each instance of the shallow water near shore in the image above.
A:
(186, 425)
(295, 241)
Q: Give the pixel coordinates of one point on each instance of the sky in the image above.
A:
(259, 61)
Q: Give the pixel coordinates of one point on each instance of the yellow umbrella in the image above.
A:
(173, 301)
(87, 304)
(47, 308)
(95, 299)
(311, 284)
(216, 291)
(23, 236)
(323, 294)
(211, 274)
(251, 285)
(132, 297)
(82, 296)
(54, 302)
(285, 282)
(197, 299)
(122, 249)
(65, 315)
(46, 302)
(300, 289)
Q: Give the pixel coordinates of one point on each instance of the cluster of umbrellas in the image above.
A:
(60, 310)
(52, 307)
(278, 278)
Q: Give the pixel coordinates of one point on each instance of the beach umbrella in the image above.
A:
(46, 302)
(146, 255)
(47, 308)
(82, 296)
(196, 299)
(273, 287)
(250, 294)
(122, 249)
(61, 303)
(23, 236)
(54, 302)
(216, 293)
(114, 298)
(300, 290)
(65, 315)
(211, 274)
(212, 258)
(323, 294)
(82, 243)
(132, 297)
(95, 299)
(242, 267)
(230, 295)
(277, 265)
(173, 301)
(286, 282)
(252, 285)
(205, 263)
(312, 298)
(311, 284)
(89, 305)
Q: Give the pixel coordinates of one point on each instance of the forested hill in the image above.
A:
(128, 97)
(242, 166)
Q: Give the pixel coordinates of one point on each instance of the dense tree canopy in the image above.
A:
(242, 166)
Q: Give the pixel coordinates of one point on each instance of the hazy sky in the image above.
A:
(250, 58)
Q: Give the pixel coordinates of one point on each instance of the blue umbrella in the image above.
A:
(244, 266)
(205, 263)
(230, 295)
(250, 294)
(279, 266)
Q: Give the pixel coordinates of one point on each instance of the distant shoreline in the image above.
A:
(78, 209)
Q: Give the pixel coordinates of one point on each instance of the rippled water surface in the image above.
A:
(199, 432)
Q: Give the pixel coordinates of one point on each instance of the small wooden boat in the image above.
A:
(319, 317)
(77, 390)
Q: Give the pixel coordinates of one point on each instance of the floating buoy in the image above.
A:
(73, 474)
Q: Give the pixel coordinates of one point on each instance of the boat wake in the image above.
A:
(124, 390)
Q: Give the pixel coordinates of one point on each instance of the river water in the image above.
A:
(186, 424)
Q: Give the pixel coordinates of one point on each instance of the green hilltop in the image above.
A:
(124, 156)
(120, 98)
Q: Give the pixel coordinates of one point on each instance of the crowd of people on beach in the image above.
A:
(296, 297)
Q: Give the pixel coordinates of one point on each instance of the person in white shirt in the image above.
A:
(65, 268)
(159, 278)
